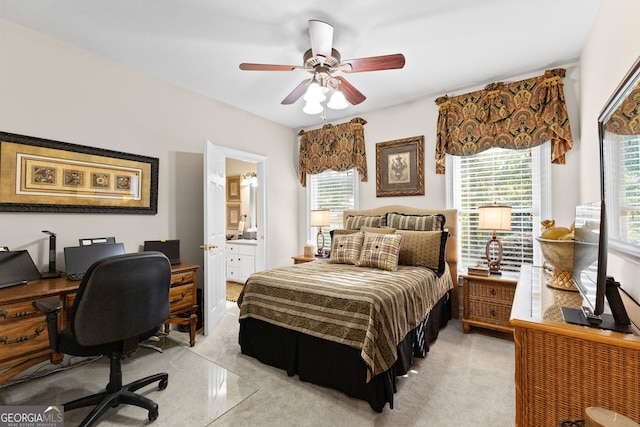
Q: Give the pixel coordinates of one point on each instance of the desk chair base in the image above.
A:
(116, 394)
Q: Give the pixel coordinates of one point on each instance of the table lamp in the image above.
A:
(320, 218)
(494, 218)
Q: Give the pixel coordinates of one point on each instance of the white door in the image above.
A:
(214, 236)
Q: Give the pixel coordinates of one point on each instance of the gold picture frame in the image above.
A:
(41, 175)
(233, 216)
(399, 167)
(233, 188)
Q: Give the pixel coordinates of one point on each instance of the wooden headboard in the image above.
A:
(451, 224)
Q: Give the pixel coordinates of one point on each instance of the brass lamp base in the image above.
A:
(320, 242)
(494, 263)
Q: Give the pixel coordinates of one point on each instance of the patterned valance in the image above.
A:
(626, 119)
(333, 147)
(515, 115)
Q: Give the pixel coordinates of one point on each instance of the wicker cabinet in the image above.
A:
(562, 369)
(487, 301)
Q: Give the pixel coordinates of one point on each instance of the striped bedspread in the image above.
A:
(365, 308)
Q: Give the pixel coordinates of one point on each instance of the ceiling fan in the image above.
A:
(322, 61)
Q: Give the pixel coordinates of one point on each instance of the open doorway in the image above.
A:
(215, 223)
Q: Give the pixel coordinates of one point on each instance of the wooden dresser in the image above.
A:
(487, 301)
(24, 340)
(561, 369)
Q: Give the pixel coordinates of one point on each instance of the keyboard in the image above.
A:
(75, 276)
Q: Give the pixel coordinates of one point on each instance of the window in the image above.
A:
(517, 178)
(623, 189)
(336, 191)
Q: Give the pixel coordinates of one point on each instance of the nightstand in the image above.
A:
(300, 259)
(487, 301)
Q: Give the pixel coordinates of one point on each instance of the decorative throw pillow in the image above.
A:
(416, 222)
(355, 222)
(384, 230)
(345, 248)
(424, 249)
(340, 231)
(380, 251)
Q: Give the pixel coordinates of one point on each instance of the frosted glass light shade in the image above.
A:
(337, 101)
(312, 107)
(314, 93)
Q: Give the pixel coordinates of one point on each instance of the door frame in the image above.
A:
(261, 192)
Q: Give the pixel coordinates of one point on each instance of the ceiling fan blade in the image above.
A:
(321, 35)
(268, 67)
(297, 92)
(353, 95)
(373, 63)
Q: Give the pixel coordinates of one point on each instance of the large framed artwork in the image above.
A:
(41, 175)
(399, 167)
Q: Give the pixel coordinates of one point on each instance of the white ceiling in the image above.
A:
(449, 45)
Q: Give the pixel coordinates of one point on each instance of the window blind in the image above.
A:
(626, 193)
(514, 178)
(331, 190)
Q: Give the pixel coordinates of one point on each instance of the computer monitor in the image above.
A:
(171, 248)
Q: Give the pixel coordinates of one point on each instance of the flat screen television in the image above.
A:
(590, 273)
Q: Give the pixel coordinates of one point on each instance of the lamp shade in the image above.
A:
(494, 218)
(320, 218)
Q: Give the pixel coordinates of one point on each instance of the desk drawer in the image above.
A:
(16, 312)
(182, 278)
(181, 297)
(23, 337)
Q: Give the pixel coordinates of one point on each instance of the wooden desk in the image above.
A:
(561, 369)
(24, 340)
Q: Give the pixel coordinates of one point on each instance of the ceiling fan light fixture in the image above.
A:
(312, 107)
(314, 93)
(337, 101)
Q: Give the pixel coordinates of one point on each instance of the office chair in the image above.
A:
(121, 301)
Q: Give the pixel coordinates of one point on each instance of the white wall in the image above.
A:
(612, 48)
(55, 91)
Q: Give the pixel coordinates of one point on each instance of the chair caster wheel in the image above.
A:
(153, 415)
(163, 384)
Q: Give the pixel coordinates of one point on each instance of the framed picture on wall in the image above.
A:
(399, 167)
(233, 216)
(233, 188)
(42, 175)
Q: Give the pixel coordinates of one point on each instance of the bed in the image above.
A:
(355, 321)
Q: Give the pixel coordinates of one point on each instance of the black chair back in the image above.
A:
(121, 297)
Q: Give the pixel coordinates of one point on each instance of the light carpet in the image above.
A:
(465, 380)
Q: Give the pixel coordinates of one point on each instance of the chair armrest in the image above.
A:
(50, 307)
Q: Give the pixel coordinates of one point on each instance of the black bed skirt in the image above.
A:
(335, 365)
